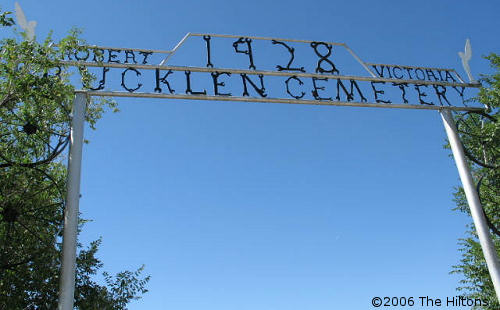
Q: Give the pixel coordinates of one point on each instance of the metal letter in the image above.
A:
(209, 62)
(102, 82)
(323, 58)
(422, 94)
(163, 80)
(247, 52)
(123, 80)
(316, 88)
(403, 91)
(145, 54)
(261, 90)
(291, 50)
(288, 87)
(441, 94)
(350, 95)
(127, 56)
(215, 76)
(376, 92)
(111, 56)
(188, 85)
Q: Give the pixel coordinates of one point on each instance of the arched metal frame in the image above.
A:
(66, 292)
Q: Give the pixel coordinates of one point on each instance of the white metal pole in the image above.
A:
(68, 264)
(471, 194)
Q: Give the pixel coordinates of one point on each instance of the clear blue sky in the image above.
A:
(268, 206)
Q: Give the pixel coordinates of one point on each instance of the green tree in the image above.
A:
(480, 135)
(35, 104)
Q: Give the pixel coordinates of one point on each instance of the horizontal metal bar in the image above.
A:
(276, 100)
(267, 73)
(261, 38)
(130, 49)
(199, 35)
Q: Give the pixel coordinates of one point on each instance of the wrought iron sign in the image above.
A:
(270, 70)
(257, 69)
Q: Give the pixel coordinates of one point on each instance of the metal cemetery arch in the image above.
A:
(444, 83)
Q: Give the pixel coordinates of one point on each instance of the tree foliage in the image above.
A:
(35, 112)
(480, 135)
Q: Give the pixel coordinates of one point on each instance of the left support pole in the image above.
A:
(68, 264)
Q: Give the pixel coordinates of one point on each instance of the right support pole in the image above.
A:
(472, 196)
